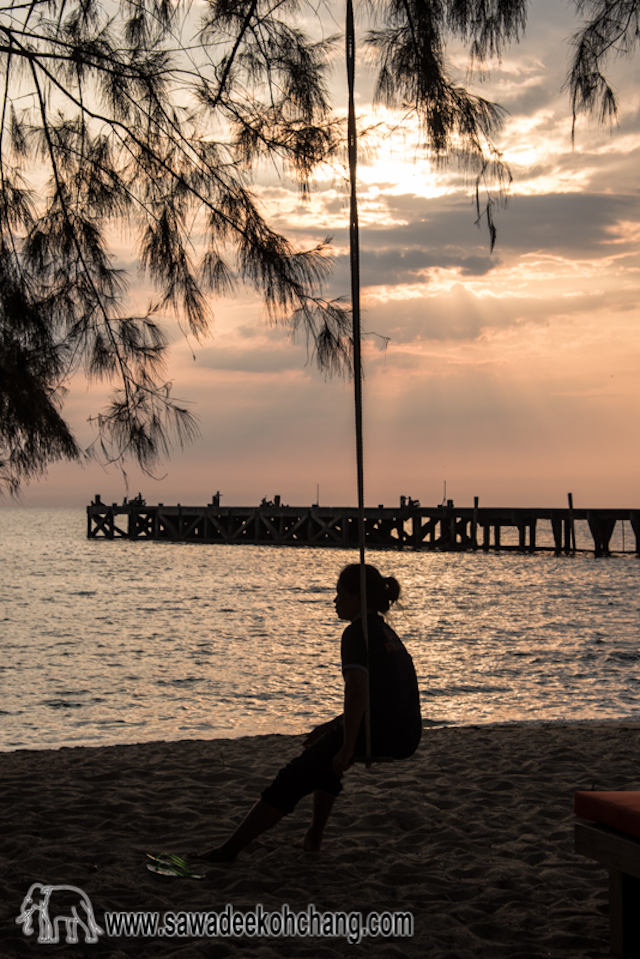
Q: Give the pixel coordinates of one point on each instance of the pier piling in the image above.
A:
(602, 527)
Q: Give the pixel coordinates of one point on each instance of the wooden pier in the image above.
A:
(409, 526)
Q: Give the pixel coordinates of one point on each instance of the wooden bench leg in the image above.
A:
(624, 907)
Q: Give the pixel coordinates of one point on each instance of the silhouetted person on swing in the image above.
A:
(396, 725)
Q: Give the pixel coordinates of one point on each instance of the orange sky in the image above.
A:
(512, 375)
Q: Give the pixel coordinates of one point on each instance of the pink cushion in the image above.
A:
(620, 810)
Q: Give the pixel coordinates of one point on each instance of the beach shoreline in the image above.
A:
(427, 725)
(473, 836)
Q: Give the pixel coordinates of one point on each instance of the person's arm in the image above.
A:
(321, 730)
(355, 701)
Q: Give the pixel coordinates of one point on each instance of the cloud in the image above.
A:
(455, 315)
(254, 359)
(399, 264)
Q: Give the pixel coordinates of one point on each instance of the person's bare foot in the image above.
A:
(312, 841)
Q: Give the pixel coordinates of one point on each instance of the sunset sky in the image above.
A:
(513, 376)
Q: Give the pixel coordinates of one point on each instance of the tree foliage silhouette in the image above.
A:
(149, 117)
(610, 29)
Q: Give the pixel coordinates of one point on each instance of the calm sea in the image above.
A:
(116, 642)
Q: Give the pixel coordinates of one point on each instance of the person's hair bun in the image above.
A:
(382, 591)
(392, 588)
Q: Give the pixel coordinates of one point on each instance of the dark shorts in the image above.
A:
(311, 770)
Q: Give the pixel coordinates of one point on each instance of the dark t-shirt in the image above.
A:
(396, 724)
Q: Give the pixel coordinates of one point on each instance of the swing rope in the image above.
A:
(354, 254)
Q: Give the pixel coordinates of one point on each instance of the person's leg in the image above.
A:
(322, 806)
(260, 818)
(310, 772)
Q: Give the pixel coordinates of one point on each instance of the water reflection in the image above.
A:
(119, 642)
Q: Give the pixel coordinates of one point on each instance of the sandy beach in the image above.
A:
(473, 836)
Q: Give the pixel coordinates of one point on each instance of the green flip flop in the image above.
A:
(169, 864)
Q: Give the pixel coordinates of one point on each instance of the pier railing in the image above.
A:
(406, 527)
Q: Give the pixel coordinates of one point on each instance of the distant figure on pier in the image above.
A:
(138, 501)
(329, 750)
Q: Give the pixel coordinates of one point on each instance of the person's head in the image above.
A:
(382, 591)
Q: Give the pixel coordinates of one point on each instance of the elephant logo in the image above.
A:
(57, 906)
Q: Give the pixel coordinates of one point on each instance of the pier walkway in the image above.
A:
(408, 526)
